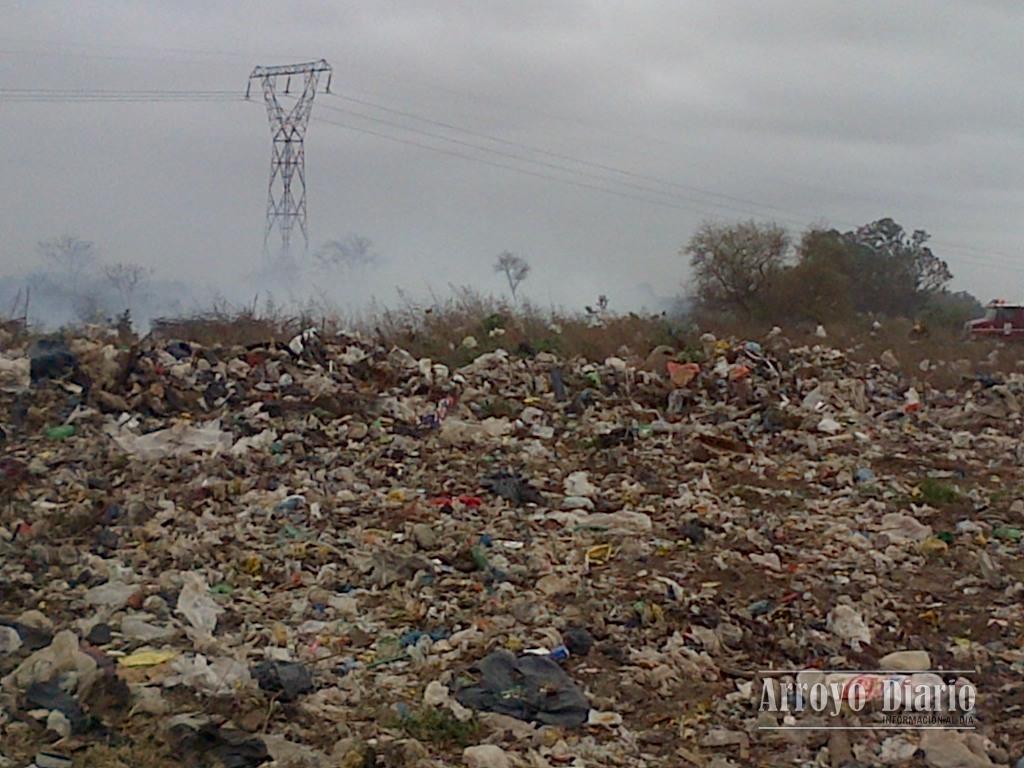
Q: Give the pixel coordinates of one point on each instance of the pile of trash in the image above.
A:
(330, 553)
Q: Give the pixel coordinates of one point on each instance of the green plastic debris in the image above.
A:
(479, 558)
(62, 432)
(1007, 532)
(945, 536)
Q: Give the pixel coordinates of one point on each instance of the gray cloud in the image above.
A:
(817, 111)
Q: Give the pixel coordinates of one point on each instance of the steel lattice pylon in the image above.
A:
(286, 191)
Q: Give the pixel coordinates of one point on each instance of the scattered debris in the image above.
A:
(343, 556)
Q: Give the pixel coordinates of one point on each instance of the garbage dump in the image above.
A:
(331, 553)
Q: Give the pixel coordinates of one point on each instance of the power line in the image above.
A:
(20, 95)
(557, 155)
(609, 168)
(594, 187)
(75, 49)
(548, 165)
(90, 91)
(494, 164)
(52, 46)
(73, 95)
(122, 100)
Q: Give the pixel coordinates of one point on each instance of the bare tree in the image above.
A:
(515, 268)
(125, 278)
(733, 263)
(70, 255)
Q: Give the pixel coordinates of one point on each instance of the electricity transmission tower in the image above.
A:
(286, 192)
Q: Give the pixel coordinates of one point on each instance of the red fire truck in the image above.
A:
(1002, 320)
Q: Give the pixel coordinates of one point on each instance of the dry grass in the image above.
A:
(225, 325)
(440, 330)
(217, 329)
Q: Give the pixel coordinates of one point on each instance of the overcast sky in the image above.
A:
(799, 110)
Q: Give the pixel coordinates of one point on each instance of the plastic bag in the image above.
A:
(196, 605)
(62, 655)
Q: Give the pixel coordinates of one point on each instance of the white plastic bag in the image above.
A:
(196, 605)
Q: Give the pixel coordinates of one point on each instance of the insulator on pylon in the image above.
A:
(286, 191)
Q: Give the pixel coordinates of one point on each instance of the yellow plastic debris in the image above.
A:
(252, 564)
(280, 633)
(146, 658)
(933, 546)
(598, 555)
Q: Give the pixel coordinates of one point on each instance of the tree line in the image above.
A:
(755, 271)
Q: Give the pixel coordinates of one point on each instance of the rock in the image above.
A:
(889, 361)
(723, 737)
(137, 628)
(113, 595)
(909, 661)
(58, 722)
(845, 623)
(577, 502)
(578, 484)
(424, 536)
(412, 752)
(624, 520)
(606, 719)
(109, 402)
(770, 561)
(961, 439)
(436, 694)
(950, 749)
(658, 359)
(896, 750)
(553, 584)
(578, 640)
(36, 620)
(100, 634)
(1017, 509)
(10, 640)
(288, 679)
(829, 426)
(902, 528)
(486, 756)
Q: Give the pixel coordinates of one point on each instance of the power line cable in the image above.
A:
(558, 155)
(71, 95)
(548, 165)
(517, 169)
(613, 169)
(584, 185)
(52, 46)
